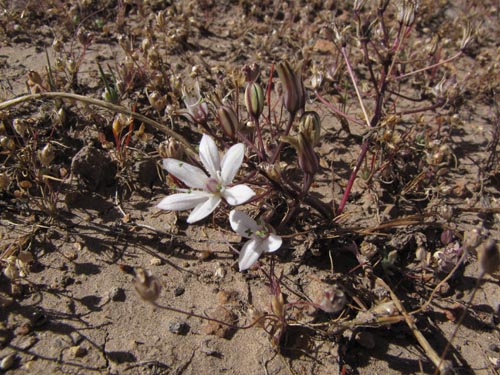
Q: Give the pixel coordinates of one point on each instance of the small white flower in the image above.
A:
(208, 190)
(262, 240)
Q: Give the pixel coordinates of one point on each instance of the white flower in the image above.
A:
(197, 109)
(207, 191)
(262, 240)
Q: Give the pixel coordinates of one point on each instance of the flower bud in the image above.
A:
(46, 155)
(228, 120)
(310, 126)
(254, 99)
(308, 160)
(294, 93)
(20, 126)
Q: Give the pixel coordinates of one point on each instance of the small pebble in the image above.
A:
(23, 329)
(77, 351)
(178, 327)
(494, 348)
(116, 294)
(365, 339)
(155, 261)
(179, 291)
(76, 338)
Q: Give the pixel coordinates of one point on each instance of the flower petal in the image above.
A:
(272, 243)
(238, 194)
(243, 224)
(204, 209)
(209, 155)
(192, 176)
(231, 162)
(183, 201)
(249, 254)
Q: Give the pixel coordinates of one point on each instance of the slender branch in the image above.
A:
(354, 82)
(98, 103)
(430, 66)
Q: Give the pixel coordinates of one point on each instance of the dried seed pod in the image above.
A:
(4, 181)
(171, 148)
(147, 285)
(332, 300)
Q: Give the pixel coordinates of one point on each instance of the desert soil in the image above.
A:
(74, 242)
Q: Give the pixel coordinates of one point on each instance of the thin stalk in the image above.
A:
(457, 55)
(102, 104)
(354, 82)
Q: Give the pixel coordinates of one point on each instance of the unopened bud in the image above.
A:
(20, 126)
(254, 99)
(46, 155)
(228, 120)
(278, 304)
(62, 117)
(120, 122)
(308, 160)
(294, 94)
(72, 66)
(310, 126)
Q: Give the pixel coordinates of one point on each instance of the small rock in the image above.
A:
(28, 343)
(76, 338)
(8, 361)
(77, 351)
(178, 327)
(179, 291)
(116, 294)
(155, 261)
(494, 348)
(23, 329)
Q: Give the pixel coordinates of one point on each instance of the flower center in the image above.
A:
(213, 186)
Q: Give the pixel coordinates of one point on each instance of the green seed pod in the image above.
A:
(310, 126)
(228, 120)
(294, 93)
(308, 160)
(254, 99)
